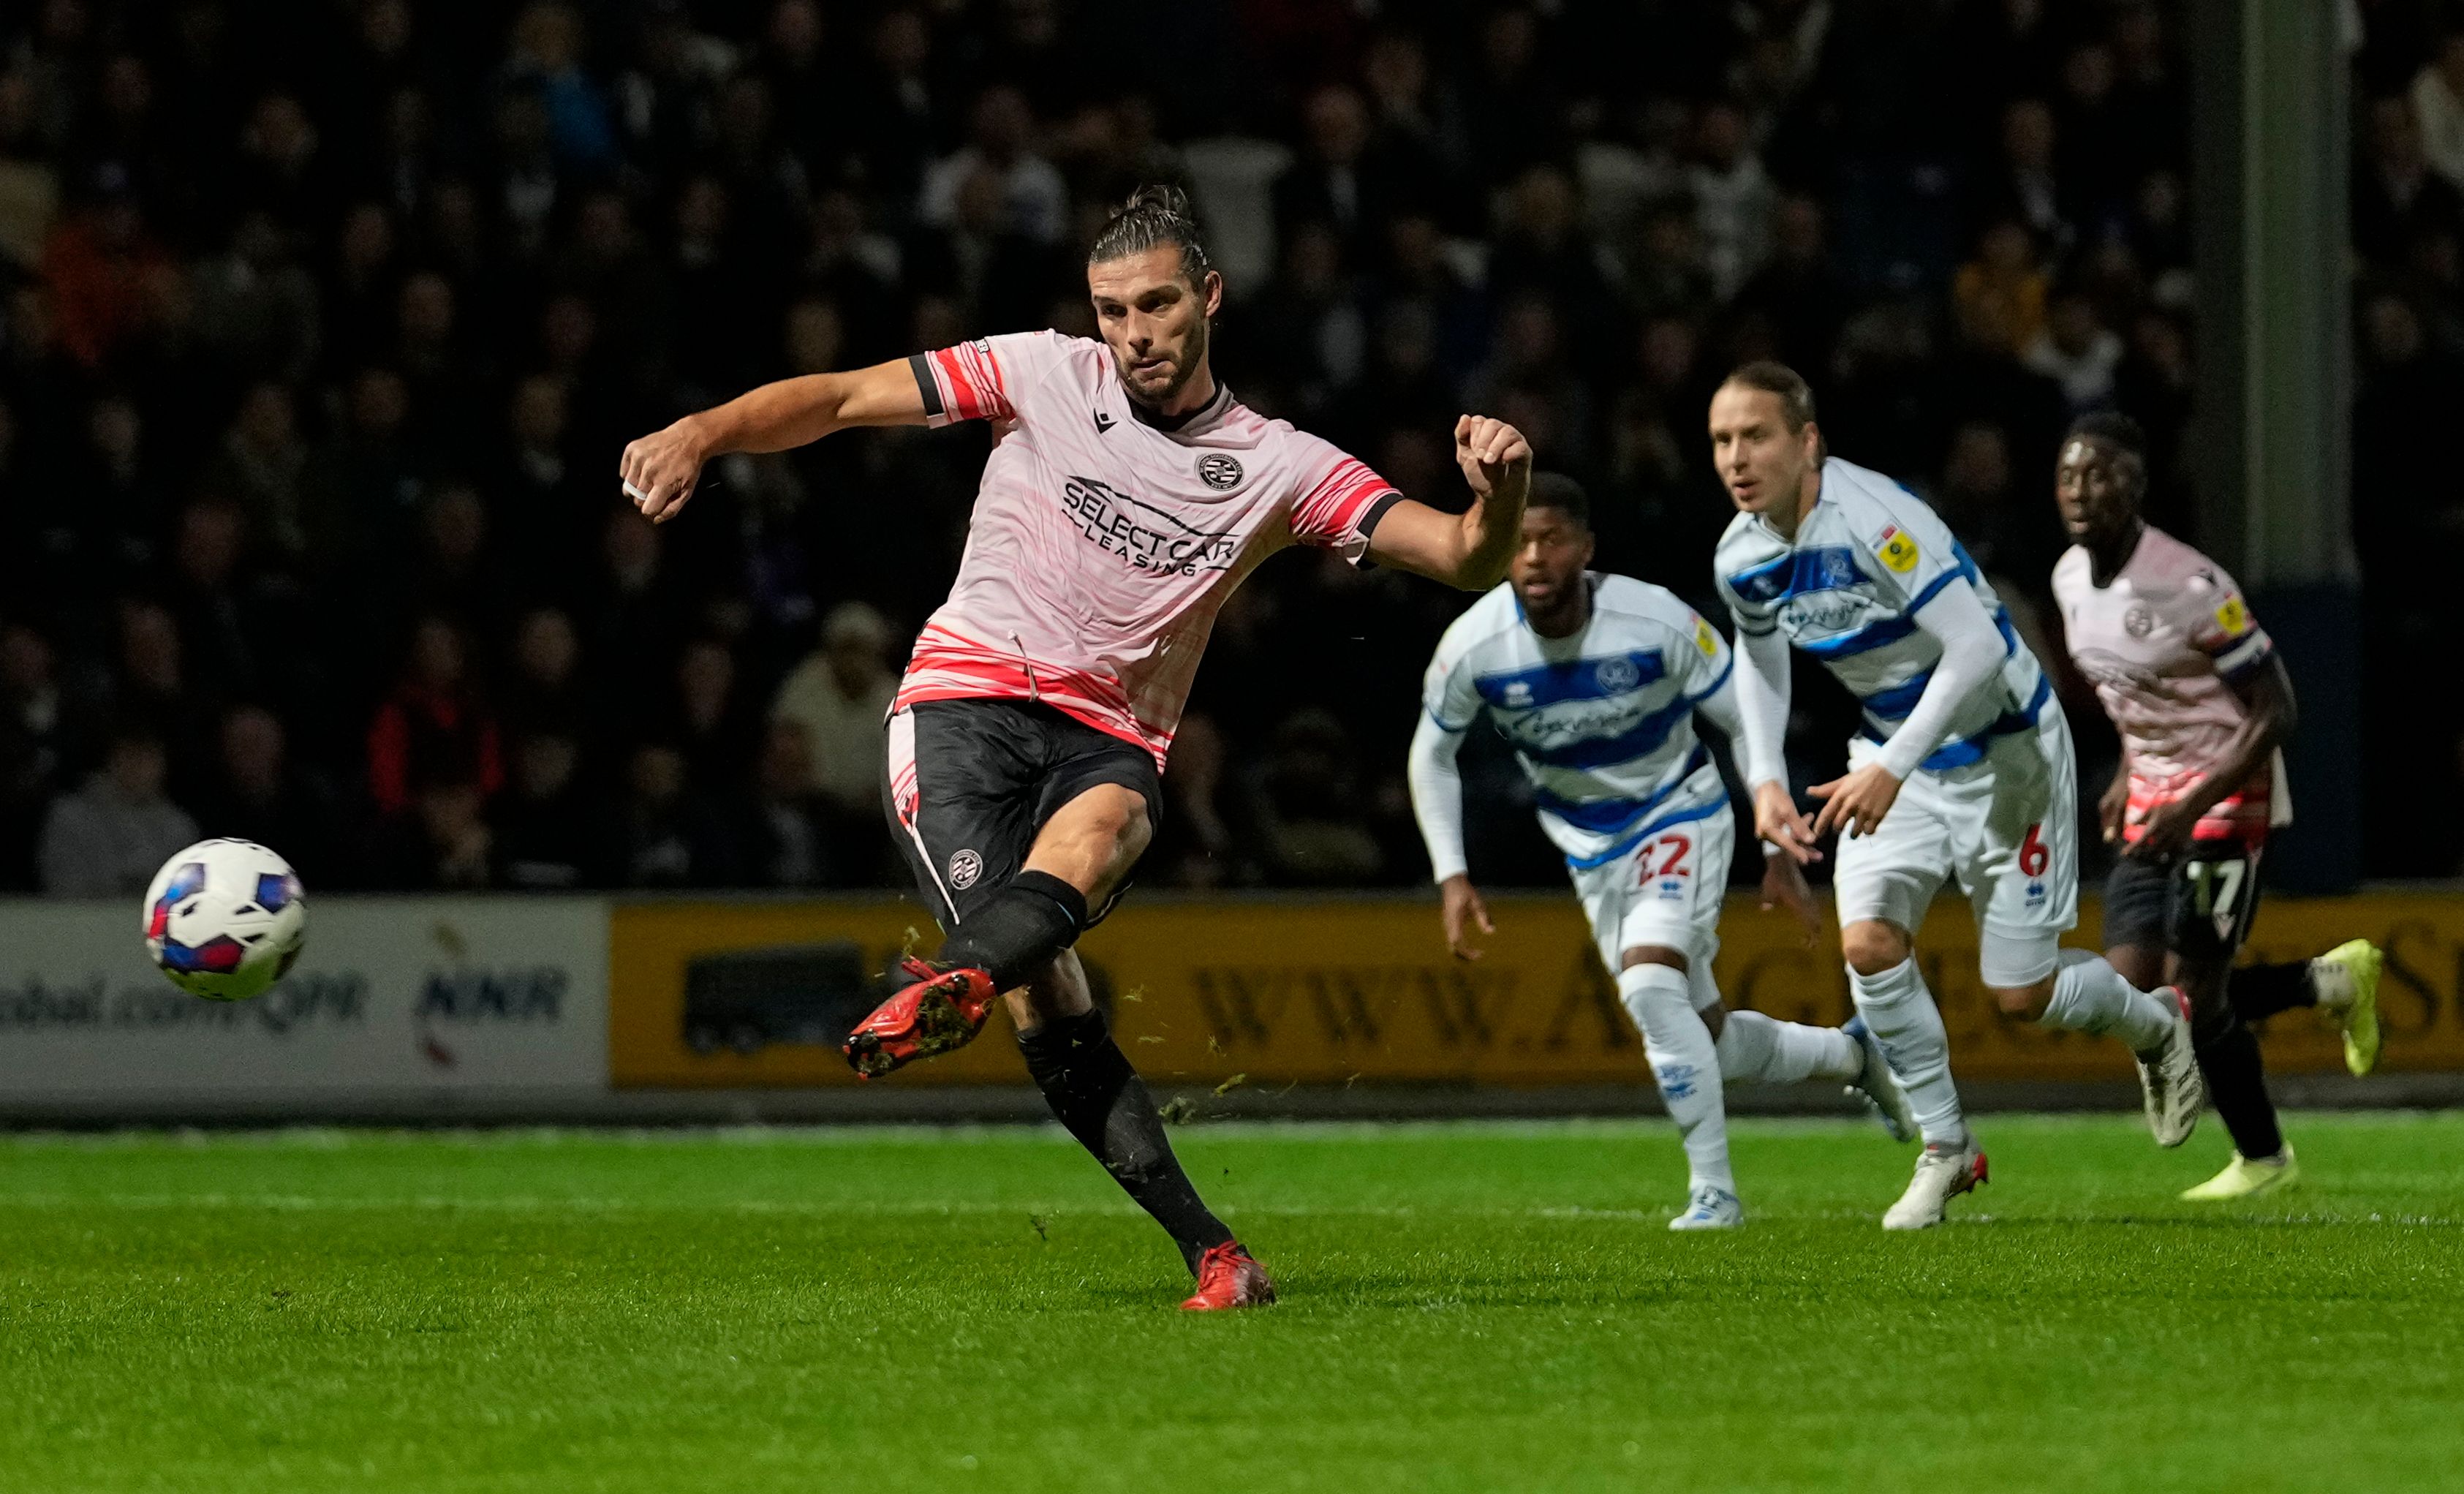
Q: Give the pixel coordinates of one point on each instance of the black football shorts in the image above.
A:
(2198, 905)
(971, 783)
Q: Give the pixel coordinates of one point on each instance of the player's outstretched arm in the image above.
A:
(661, 469)
(1471, 549)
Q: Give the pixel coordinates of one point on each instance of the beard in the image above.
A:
(1184, 367)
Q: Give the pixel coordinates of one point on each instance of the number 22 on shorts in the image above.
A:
(1662, 860)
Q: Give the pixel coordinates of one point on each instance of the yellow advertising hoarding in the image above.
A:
(1347, 990)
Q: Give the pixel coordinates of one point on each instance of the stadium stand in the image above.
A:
(327, 318)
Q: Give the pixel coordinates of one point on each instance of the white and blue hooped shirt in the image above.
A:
(1602, 721)
(1847, 591)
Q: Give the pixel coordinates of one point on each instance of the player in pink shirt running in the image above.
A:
(2203, 706)
(1127, 494)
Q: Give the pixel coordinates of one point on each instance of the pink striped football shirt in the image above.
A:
(2164, 643)
(1102, 544)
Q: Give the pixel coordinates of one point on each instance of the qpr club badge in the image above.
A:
(1223, 473)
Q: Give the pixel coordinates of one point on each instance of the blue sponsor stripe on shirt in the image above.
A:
(1892, 702)
(1816, 568)
(1609, 815)
(1576, 679)
(1639, 740)
(1864, 640)
(1970, 749)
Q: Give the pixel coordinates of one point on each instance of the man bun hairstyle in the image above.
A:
(1563, 494)
(1152, 216)
(1771, 376)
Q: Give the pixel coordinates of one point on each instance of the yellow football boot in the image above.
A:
(2356, 1007)
(2244, 1178)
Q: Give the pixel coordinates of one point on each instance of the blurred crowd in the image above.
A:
(326, 321)
(2407, 225)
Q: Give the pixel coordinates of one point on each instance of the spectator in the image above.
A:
(260, 794)
(1034, 200)
(258, 307)
(665, 835)
(431, 729)
(1307, 808)
(2395, 194)
(1732, 198)
(263, 459)
(2000, 295)
(35, 747)
(839, 696)
(715, 733)
(2076, 351)
(2438, 106)
(545, 695)
(217, 619)
(2026, 188)
(151, 686)
(101, 264)
(1797, 290)
(443, 845)
(542, 840)
(790, 842)
(1326, 187)
(109, 837)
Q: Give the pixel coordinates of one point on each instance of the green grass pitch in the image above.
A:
(1466, 1307)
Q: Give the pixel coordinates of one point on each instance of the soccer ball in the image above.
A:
(225, 919)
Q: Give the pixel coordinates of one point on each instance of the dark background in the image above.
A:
(326, 321)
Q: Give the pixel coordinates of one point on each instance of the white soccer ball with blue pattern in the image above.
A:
(225, 919)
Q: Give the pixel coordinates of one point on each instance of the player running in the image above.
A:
(1127, 494)
(2203, 705)
(1963, 769)
(1597, 681)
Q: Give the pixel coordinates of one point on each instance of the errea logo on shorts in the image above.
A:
(965, 867)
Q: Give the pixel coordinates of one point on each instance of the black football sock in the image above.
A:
(2261, 991)
(1100, 1100)
(2229, 1060)
(1015, 933)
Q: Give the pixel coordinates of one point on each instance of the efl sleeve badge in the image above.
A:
(1898, 550)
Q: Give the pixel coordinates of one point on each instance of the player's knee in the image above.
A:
(1872, 947)
(1654, 954)
(2023, 1000)
(1105, 826)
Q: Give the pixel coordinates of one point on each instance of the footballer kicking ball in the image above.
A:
(225, 919)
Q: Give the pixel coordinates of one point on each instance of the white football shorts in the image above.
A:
(2006, 827)
(1666, 890)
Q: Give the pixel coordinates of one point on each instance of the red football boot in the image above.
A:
(1227, 1277)
(943, 1010)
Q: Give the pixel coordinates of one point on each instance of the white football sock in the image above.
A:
(1686, 1067)
(1901, 1012)
(1753, 1046)
(2090, 996)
